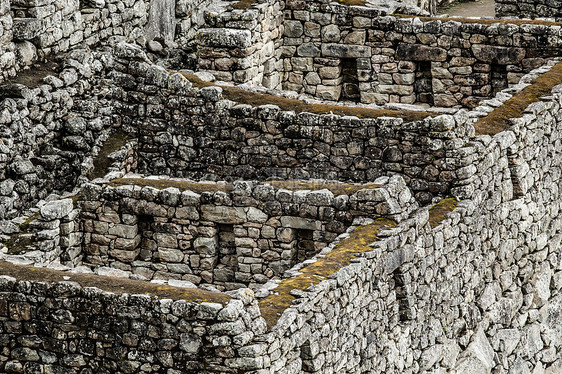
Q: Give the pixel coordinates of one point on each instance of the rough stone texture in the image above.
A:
(449, 62)
(231, 240)
(241, 45)
(264, 142)
(135, 331)
(476, 291)
(7, 47)
(529, 9)
(46, 133)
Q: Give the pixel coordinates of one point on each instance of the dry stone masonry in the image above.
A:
(182, 189)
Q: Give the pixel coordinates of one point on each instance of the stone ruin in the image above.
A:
(273, 186)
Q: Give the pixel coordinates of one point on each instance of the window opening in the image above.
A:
(423, 86)
(498, 78)
(227, 262)
(350, 80)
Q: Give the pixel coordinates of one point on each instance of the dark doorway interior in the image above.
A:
(350, 82)
(498, 78)
(423, 87)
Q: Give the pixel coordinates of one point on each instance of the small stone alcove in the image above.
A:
(350, 80)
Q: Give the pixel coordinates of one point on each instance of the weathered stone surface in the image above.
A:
(222, 214)
(419, 52)
(231, 38)
(57, 209)
(498, 54)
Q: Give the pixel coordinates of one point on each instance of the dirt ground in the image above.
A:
(479, 8)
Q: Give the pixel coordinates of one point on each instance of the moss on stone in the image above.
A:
(165, 183)
(359, 240)
(498, 119)
(102, 162)
(18, 242)
(256, 99)
(482, 21)
(438, 212)
(112, 284)
(335, 188)
(247, 4)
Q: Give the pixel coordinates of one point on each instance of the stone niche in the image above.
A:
(228, 235)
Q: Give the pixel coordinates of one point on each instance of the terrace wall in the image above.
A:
(186, 132)
(237, 236)
(336, 52)
(47, 132)
(528, 9)
(63, 326)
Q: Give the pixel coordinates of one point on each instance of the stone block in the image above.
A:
(300, 223)
(166, 240)
(498, 55)
(345, 50)
(123, 231)
(205, 246)
(170, 255)
(420, 52)
(223, 214)
(57, 209)
(225, 37)
(25, 29)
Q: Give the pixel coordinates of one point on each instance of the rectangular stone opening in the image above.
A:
(350, 80)
(423, 87)
(498, 78)
(227, 263)
(148, 245)
(305, 245)
(404, 307)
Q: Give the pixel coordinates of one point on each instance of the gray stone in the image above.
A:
(223, 214)
(420, 52)
(57, 209)
(161, 20)
(225, 37)
(498, 55)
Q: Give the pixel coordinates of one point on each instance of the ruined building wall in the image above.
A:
(475, 292)
(241, 45)
(491, 270)
(68, 327)
(193, 133)
(528, 9)
(241, 235)
(34, 30)
(7, 55)
(346, 53)
(47, 132)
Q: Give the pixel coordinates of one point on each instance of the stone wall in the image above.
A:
(186, 132)
(7, 55)
(468, 286)
(230, 236)
(47, 132)
(55, 27)
(357, 54)
(33, 30)
(528, 9)
(63, 326)
(190, 17)
(241, 44)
